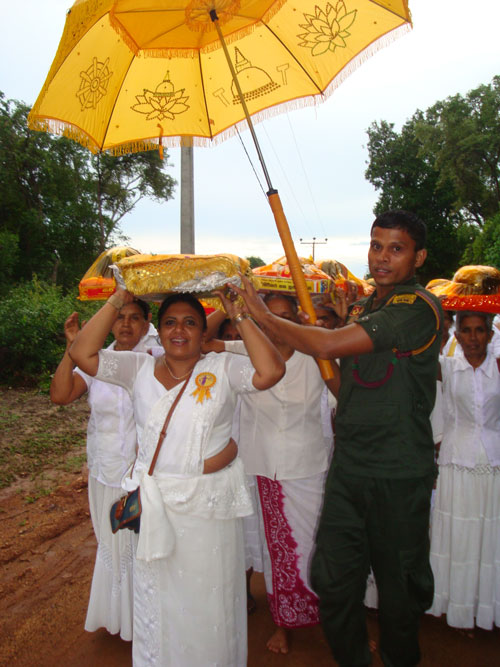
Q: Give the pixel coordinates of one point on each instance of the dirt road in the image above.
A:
(47, 551)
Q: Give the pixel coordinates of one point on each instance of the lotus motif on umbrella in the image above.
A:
(163, 102)
(327, 29)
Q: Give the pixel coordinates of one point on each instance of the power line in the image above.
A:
(313, 243)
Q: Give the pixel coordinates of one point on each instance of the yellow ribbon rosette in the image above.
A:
(204, 382)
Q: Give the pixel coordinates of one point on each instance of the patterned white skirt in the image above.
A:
(465, 546)
(289, 516)
(111, 594)
(190, 608)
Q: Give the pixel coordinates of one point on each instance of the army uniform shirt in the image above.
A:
(386, 396)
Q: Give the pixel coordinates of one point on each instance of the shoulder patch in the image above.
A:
(403, 298)
(356, 311)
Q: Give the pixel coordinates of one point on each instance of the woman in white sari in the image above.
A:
(111, 445)
(189, 578)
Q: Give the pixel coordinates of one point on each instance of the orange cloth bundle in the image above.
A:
(472, 288)
(98, 283)
(340, 274)
(276, 277)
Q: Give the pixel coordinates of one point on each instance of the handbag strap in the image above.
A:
(163, 432)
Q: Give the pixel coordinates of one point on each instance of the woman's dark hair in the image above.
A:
(183, 297)
(286, 297)
(225, 323)
(144, 307)
(487, 317)
(409, 222)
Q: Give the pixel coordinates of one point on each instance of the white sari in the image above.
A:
(189, 578)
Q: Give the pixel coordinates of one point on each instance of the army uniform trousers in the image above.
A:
(382, 523)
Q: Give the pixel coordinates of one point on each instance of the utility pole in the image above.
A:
(187, 199)
(313, 243)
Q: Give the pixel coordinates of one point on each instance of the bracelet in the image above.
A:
(238, 319)
(116, 302)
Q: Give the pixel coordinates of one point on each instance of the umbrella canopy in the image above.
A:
(130, 74)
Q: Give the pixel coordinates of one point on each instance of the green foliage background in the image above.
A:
(32, 317)
(60, 206)
(444, 165)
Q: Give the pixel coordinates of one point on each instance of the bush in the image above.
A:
(32, 317)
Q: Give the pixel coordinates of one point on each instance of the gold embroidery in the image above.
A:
(403, 298)
(355, 313)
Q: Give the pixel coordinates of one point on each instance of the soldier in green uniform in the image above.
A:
(377, 496)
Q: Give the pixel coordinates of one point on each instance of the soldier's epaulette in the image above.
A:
(402, 298)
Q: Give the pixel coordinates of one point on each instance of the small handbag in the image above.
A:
(126, 512)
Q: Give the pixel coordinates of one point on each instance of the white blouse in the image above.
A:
(281, 430)
(471, 411)
(111, 436)
(199, 427)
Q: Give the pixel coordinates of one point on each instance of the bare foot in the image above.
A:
(278, 641)
(466, 632)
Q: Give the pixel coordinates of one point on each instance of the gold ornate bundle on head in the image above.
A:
(152, 277)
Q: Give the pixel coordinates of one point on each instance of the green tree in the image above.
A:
(461, 137)
(255, 261)
(407, 180)
(32, 340)
(485, 248)
(60, 206)
(445, 166)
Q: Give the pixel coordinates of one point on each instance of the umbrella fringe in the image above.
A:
(82, 15)
(364, 55)
(120, 30)
(196, 27)
(62, 128)
(72, 132)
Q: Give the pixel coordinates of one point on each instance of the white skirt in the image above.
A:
(465, 546)
(190, 607)
(111, 594)
(254, 556)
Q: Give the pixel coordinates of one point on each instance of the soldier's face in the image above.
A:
(392, 258)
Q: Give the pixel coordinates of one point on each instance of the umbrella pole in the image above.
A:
(277, 209)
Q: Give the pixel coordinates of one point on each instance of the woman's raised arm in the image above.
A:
(67, 386)
(88, 342)
(267, 361)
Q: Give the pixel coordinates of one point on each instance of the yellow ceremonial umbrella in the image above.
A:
(132, 75)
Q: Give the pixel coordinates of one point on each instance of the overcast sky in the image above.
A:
(316, 156)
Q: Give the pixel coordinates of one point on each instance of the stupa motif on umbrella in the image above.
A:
(122, 64)
(254, 81)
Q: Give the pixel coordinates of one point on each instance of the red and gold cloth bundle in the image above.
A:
(471, 288)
